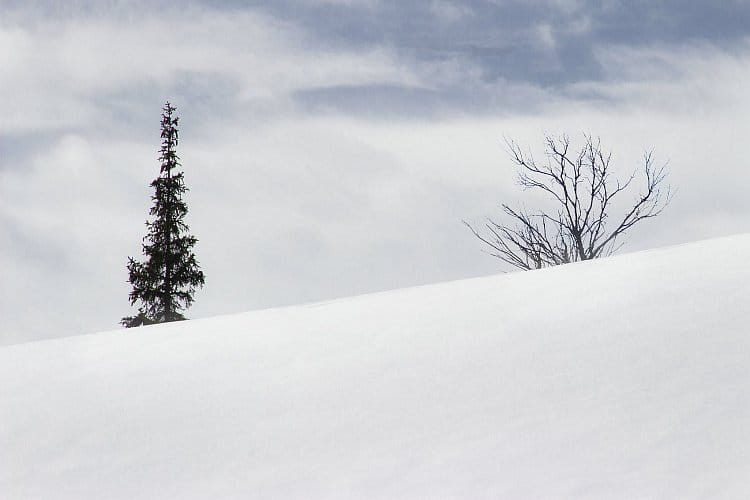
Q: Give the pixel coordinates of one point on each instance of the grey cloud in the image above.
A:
(378, 101)
(332, 148)
(548, 44)
(17, 147)
(508, 30)
(385, 102)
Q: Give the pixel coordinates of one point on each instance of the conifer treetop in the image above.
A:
(164, 283)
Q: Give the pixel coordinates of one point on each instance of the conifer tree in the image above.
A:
(165, 282)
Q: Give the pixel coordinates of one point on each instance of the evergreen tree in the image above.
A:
(165, 283)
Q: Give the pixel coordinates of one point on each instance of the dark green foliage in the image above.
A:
(139, 319)
(165, 282)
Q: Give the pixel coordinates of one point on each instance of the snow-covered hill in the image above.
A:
(627, 377)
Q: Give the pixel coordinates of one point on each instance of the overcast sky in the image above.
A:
(332, 147)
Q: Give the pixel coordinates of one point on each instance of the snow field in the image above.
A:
(627, 377)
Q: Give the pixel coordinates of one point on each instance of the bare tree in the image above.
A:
(582, 188)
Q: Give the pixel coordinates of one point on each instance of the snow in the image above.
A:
(627, 377)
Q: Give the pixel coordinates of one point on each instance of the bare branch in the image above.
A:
(583, 187)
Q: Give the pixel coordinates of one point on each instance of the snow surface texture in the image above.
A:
(627, 377)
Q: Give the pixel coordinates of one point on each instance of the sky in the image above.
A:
(333, 147)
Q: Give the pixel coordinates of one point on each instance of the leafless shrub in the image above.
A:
(583, 188)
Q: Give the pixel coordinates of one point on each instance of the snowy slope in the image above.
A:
(622, 378)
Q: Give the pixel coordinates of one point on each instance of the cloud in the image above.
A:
(450, 12)
(546, 36)
(256, 60)
(332, 154)
(344, 3)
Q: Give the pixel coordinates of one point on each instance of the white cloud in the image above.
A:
(345, 3)
(450, 12)
(296, 207)
(546, 36)
(81, 58)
